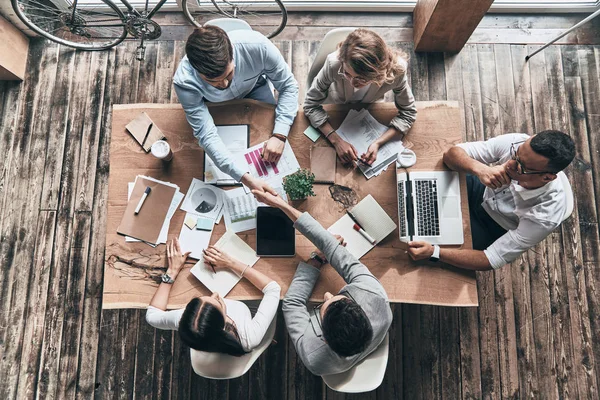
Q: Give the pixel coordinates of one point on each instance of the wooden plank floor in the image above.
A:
(536, 332)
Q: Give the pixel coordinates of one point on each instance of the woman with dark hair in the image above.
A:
(211, 323)
(362, 70)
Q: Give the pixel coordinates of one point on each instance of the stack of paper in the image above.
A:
(272, 173)
(204, 200)
(194, 240)
(361, 129)
(240, 209)
(151, 224)
(236, 138)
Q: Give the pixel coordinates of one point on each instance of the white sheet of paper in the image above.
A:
(361, 129)
(223, 281)
(356, 244)
(194, 240)
(240, 208)
(235, 138)
(267, 171)
(204, 200)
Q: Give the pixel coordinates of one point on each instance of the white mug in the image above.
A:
(161, 150)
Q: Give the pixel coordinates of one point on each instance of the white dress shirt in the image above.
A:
(528, 215)
(251, 330)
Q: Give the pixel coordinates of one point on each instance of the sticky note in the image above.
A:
(204, 224)
(312, 133)
(190, 222)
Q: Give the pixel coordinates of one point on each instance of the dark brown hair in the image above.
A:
(371, 58)
(209, 51)
(203, 327)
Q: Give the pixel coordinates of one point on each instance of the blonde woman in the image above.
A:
(362, 70)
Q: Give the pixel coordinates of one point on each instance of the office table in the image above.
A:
(132, 270)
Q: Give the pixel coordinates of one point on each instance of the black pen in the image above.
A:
(147, 133)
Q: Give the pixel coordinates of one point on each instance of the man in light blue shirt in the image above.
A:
(220, 67)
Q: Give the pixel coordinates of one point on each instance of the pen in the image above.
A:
(364, 233)
(139, 206)
(147, 133)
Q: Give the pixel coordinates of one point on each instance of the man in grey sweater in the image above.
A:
(347, 327)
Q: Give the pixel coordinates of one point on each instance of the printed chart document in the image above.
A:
(361, 129)
(204, 200)
(224, 280)
(194, 240)
(237, 140)
(270, 172)
(240, 209)
(372, 218)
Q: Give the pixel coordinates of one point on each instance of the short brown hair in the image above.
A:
(370, 57)
(209, 51)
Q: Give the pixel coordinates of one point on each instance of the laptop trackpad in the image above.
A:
(450, 207)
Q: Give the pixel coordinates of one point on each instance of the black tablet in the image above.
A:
(275, 233)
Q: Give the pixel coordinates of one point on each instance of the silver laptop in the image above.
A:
(429, 207)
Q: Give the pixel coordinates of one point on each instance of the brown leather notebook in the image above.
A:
(146, 225)
(322, 164)
(139, 130)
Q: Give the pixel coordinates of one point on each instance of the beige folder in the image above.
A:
(322, 164)
(139, 128)
(146, 225)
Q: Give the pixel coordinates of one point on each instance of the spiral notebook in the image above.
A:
(372, 218)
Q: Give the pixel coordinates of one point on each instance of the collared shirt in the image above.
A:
(253, 56)
(528, 215)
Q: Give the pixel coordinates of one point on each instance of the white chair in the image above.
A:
(568, 193)
(365, 376)
(230, 24)
(224, 366)
(328, 46)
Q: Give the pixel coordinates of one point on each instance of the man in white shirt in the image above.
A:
(515, 199)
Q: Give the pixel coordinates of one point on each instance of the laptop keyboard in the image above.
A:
(402, 209)
(428, 219)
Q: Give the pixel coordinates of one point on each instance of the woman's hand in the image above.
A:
(216, 258)
(345, 151)
(175, 259)
(371, 155)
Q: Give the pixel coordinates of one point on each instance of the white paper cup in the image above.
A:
(161, 150)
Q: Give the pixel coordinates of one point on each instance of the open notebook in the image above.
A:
(224, 280)
(372, 218)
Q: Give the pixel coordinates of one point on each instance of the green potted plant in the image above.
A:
(299, 185)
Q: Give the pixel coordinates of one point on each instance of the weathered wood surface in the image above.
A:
(53, 226)
(132, 284)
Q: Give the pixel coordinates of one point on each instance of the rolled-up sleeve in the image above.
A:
(280, 74)
(294, 308)
(515, 242)
(316, 96)
(205, 130)
(405, 103)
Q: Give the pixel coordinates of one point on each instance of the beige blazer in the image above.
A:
(329, 87)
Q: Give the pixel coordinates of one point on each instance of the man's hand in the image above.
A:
(345, 151)
(257, 184)
(420, 250)
(371, 155)
(273, 149)
(270, 199)
(494, 177)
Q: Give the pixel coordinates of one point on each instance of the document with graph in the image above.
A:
(270, 172)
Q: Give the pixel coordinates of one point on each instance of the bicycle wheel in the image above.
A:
(198, 12)
(265, 16)
(82, 26)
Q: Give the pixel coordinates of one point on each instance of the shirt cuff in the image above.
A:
(495, 260)
(237, 173)
(281, 128)
(272, 286)
(304, 219)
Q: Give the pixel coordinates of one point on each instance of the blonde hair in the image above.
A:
(370, 57)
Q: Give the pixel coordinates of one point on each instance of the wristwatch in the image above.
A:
(315, 256)
(165, 278)
(436, 253)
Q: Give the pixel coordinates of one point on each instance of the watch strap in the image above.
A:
(315, 256)
(281, 137)
(436, 253)
(165, 278)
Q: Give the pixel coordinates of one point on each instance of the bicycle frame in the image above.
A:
(132, 9)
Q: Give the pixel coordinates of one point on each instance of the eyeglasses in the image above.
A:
(520, 167)
(317, 311)
(358, 80)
